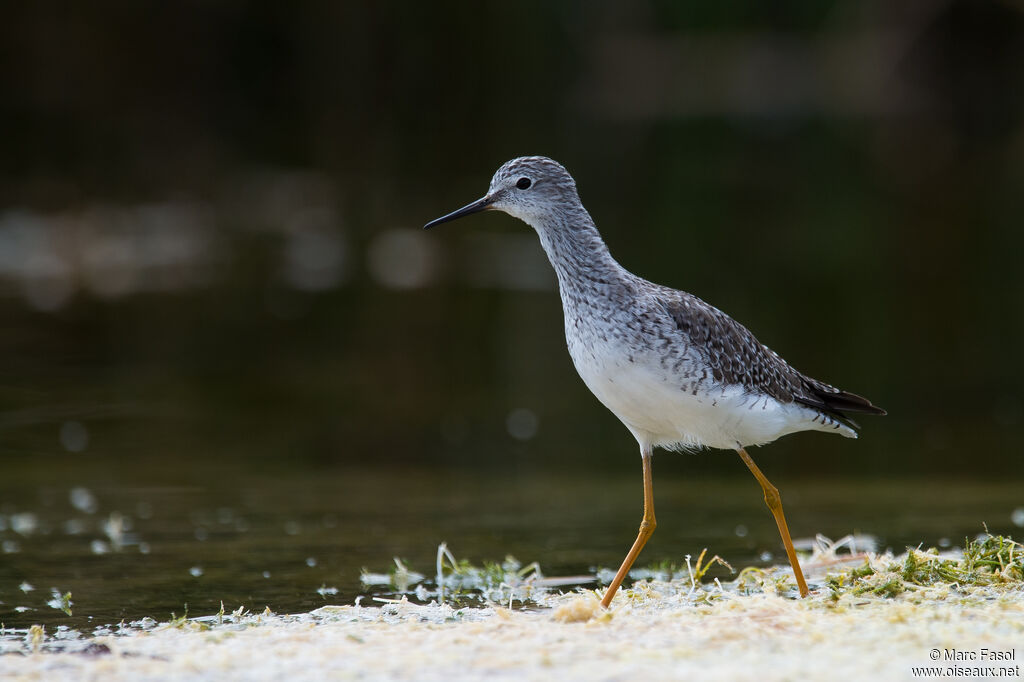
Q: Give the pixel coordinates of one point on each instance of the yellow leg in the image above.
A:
(774, 502)
(647, 527)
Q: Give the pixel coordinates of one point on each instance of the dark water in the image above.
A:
(226, 337)
(274, 538)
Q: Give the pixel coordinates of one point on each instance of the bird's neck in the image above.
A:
(578, 254)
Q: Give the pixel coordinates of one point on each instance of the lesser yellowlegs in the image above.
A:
(678, 372)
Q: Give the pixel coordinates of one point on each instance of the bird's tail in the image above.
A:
(837, 403)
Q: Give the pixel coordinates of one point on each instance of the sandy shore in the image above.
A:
(655, 631)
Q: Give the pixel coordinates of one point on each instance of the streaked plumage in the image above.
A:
(678, 372)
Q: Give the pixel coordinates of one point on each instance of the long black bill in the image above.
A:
(477, 206)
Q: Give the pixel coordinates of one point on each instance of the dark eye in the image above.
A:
(523, 183)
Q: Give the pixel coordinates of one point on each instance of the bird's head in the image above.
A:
(527, 188)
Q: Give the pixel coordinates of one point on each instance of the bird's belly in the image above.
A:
(666, 410)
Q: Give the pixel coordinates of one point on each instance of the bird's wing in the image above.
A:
(736, 357)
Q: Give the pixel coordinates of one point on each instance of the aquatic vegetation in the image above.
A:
(981, 559)
(459, 581)
(36, 635)
(400, 578)
(990, 560)
(59, 601)
(988, 570)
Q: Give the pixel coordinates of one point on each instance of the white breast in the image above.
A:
(665, 410)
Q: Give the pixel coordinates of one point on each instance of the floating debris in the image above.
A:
(59, 601)
(458, 580)
(400, 578)
(325, 591)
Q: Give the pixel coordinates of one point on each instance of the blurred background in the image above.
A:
(217, 296)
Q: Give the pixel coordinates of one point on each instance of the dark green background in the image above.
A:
(844, 178)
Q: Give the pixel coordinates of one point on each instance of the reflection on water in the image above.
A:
(296, 540)
(112, 250)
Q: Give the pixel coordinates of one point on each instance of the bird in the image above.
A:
(679, 373)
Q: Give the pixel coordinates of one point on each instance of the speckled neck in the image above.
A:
(579, 256)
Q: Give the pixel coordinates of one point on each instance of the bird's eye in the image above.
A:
(523, 183)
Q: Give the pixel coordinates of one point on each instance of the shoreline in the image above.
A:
(852, 626)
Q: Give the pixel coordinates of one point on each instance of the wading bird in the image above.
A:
(678, 372)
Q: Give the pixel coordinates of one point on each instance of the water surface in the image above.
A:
(288, 539)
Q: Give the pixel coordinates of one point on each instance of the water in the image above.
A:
(288, 539)
(256, 446)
